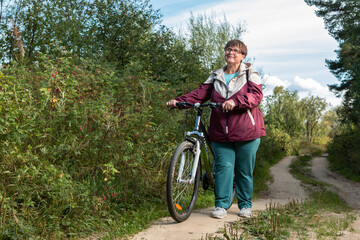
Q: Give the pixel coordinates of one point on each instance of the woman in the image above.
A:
(234, 132)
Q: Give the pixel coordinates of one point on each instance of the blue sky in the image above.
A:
(285, 37)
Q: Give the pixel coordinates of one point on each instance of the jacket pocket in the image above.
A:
(251, 117)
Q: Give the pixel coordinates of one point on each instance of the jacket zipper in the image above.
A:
(227, 114)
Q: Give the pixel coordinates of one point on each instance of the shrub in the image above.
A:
(344, 153)
(80, 143)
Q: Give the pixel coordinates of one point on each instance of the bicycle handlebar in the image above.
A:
(199, 105)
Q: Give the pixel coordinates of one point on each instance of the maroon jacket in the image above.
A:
(245, 122)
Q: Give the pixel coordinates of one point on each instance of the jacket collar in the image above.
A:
(219, 74)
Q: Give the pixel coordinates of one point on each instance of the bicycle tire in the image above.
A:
(181, 197)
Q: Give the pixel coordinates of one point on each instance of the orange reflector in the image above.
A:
(178, 206)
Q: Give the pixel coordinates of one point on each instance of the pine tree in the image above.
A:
(342, 20)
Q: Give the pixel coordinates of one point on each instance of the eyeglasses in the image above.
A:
(229, 50)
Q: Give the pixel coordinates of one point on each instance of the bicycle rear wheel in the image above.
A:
(181, 195)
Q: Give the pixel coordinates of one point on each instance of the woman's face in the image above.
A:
(233, 55)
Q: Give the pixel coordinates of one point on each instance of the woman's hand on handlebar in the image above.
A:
(228, 105)
(171, 103)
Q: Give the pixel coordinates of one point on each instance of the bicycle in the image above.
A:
(183, 180)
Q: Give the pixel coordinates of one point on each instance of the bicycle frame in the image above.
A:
(200, 138)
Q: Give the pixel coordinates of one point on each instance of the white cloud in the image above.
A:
(304, 86)
(274, 81)
(308, 86)
(270, 82)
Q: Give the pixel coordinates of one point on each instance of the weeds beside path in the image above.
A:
(323, 215)
(347, 190)
(283, 188)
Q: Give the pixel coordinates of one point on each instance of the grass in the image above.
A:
(301, 169)
(345, 171)
(262, 174)
(309, 220)
(131, 222)
(312, 148)
(322, 216)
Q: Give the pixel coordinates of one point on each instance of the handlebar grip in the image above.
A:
(181, 104)
(216, 105)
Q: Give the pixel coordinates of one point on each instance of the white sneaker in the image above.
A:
(219, 212)
(245, 212)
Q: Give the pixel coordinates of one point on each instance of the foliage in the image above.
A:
(166, 59)
(208, 37)
(290, 120)
(80, 144)
(283, 111)
(344, 151)
(284, 119)
(342, 20)
(96, 29)
(85, 28)
(330, 124)
(313, 108)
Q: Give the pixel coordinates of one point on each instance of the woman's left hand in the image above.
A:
(228, 105)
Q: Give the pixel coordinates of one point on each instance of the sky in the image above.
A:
(285, 37)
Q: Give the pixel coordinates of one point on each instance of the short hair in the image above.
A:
(237, 43)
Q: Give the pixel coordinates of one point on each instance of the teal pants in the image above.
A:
(238, 158)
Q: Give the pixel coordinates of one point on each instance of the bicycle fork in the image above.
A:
(194, 168)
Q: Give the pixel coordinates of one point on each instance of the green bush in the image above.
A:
(280, 141)
(344, 153)
(80, 144)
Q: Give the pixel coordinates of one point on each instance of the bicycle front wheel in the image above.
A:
(181, 193)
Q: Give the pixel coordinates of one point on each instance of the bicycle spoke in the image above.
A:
(180, 194)
(183, 189)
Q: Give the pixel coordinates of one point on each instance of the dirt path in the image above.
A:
(200, 223)
(347, 190)
(283, 188)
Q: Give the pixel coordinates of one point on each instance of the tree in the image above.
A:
(313, 108)
(283, 111)
(330, 124)
(342, 19)
(208, 37)
(40, 24)
(111, 30)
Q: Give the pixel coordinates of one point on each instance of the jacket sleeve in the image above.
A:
(254, 94)
(199, 95)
